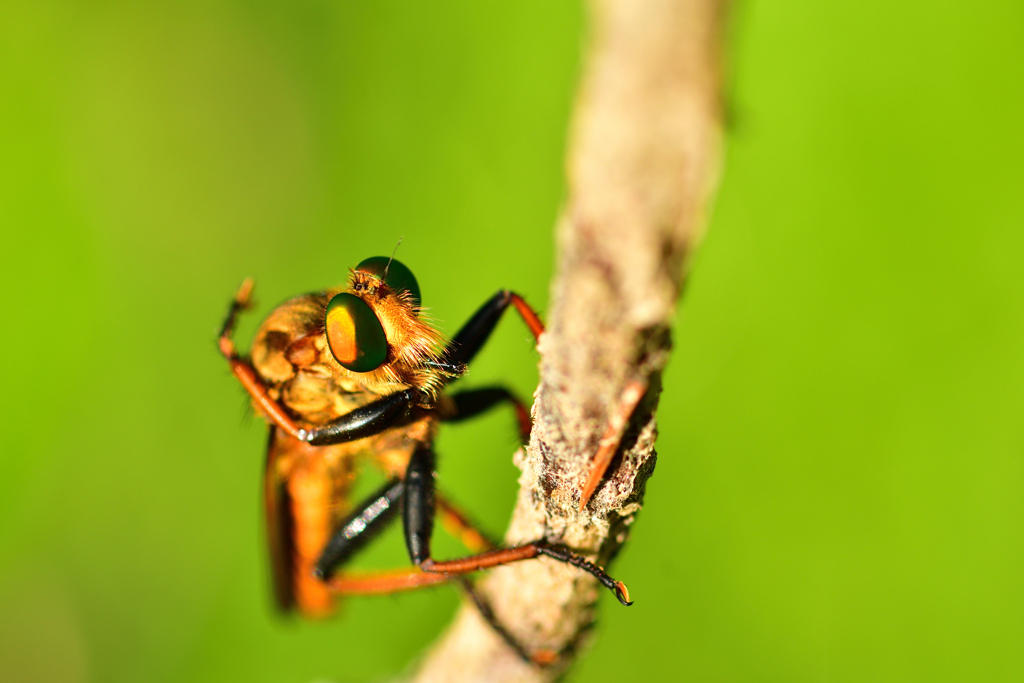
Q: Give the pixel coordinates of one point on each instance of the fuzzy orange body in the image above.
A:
(356, 373)
(306, 487)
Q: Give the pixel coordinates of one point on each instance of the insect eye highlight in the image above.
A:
(398, 277)
(354, 334)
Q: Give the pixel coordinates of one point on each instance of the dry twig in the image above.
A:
(642, 168)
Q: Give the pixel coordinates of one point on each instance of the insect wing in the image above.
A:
(304, 488)
(279, 525)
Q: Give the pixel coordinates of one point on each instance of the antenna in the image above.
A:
(393, 256)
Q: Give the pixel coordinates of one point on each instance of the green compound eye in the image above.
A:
(354, 334)
(399, 277)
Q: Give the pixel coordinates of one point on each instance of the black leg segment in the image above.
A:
(238, 304)
(373, 418)
(369, 519)
(418, 511)
(474, 334)
(473, 402)
(488, 615)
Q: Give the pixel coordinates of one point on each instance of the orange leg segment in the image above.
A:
(486, 560)
(382, 583)
(456, 523)
(502, 556)
(524, 421)
(617, 422)
(244, 371)
(528, 315)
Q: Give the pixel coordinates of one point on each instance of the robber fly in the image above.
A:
(358, 373)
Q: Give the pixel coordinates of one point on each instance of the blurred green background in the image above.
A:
(840, 488)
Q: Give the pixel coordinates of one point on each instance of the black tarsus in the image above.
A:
(586, 565)
(418, 524)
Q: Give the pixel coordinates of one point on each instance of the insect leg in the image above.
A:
(238, 304)
(473, 402)
(388, 582)
(365, 522)
(371, 517)
(384, 583)
(367, 420)
(538, 657)
(418, 511)
(372, 418)
(374, 514)
(477, 329)
(360, 527)
(418, 522)
(246, 374)
(456, 523)
(242, 369)
(611, 438)
(527, 551)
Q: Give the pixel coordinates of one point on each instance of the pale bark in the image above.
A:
(642, 167)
